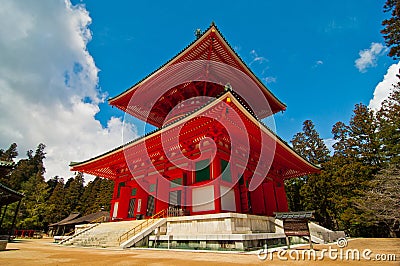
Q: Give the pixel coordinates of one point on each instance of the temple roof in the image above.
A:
(180, 78)
(106, 165)
(8, 195)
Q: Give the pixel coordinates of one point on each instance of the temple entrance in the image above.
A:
(175, 199)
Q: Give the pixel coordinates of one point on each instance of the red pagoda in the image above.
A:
(210, 152)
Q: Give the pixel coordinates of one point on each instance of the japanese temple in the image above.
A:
(210, 152)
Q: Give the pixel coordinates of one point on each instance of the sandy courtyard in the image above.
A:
(44, 252)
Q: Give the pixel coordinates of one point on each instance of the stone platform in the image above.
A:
(223, 231)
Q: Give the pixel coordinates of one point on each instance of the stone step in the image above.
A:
(104, 235)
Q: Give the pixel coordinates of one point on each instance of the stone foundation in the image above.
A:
(222, 231)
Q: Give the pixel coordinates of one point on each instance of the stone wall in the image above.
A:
(221, 223)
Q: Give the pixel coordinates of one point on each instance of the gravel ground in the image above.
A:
(44, 252)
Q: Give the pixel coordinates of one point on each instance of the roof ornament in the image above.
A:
(228, 87)
(197, 33)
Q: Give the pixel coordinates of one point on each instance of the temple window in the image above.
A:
(203, 170)
(120, 185)
(226, 171)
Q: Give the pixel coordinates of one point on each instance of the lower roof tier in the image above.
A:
(224, 123)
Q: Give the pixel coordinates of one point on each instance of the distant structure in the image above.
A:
(210, 152)
(7, 197)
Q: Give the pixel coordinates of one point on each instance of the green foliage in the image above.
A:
(309, 145)
(97, 196)
(349, 194)
(10, 154)
(389, 127)
(391, 32)
(48, 202)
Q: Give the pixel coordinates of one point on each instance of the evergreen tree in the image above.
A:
(309, 145)
(356, 159)
(391, 32)
(10, 154)
(57, 203)
(33, 207)
(97, 195)
(73, 193)
(389, 127)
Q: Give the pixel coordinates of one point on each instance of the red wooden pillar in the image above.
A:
(257, 200)
(162, 193)
(216, 173)
(270, 200)
(281, 197)
(188, 190)
(235, 180)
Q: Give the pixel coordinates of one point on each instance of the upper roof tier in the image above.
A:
(203, 68)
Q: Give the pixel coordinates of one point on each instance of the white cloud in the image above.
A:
(270, 79)
(368, 57)
(329, 144)
(382, 90)
(257, 58)
(318, 63)
(49, 84)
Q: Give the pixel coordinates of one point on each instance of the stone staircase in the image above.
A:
(103, 235)
(319, 234)
(143, 232)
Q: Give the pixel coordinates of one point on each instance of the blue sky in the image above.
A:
(306, 49)
(60, 61)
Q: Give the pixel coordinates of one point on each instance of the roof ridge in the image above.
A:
(212, 25)
(176, 55)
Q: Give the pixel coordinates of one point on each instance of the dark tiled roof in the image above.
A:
(72, 216)
(87, 218)
(8, 195)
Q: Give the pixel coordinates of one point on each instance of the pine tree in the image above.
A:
(97, 195)
(57, 203)
(309, 145)
(10, 154)
(33, 207)
(73, 192)
(356, 159)
(391, 32)
(389, 127)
